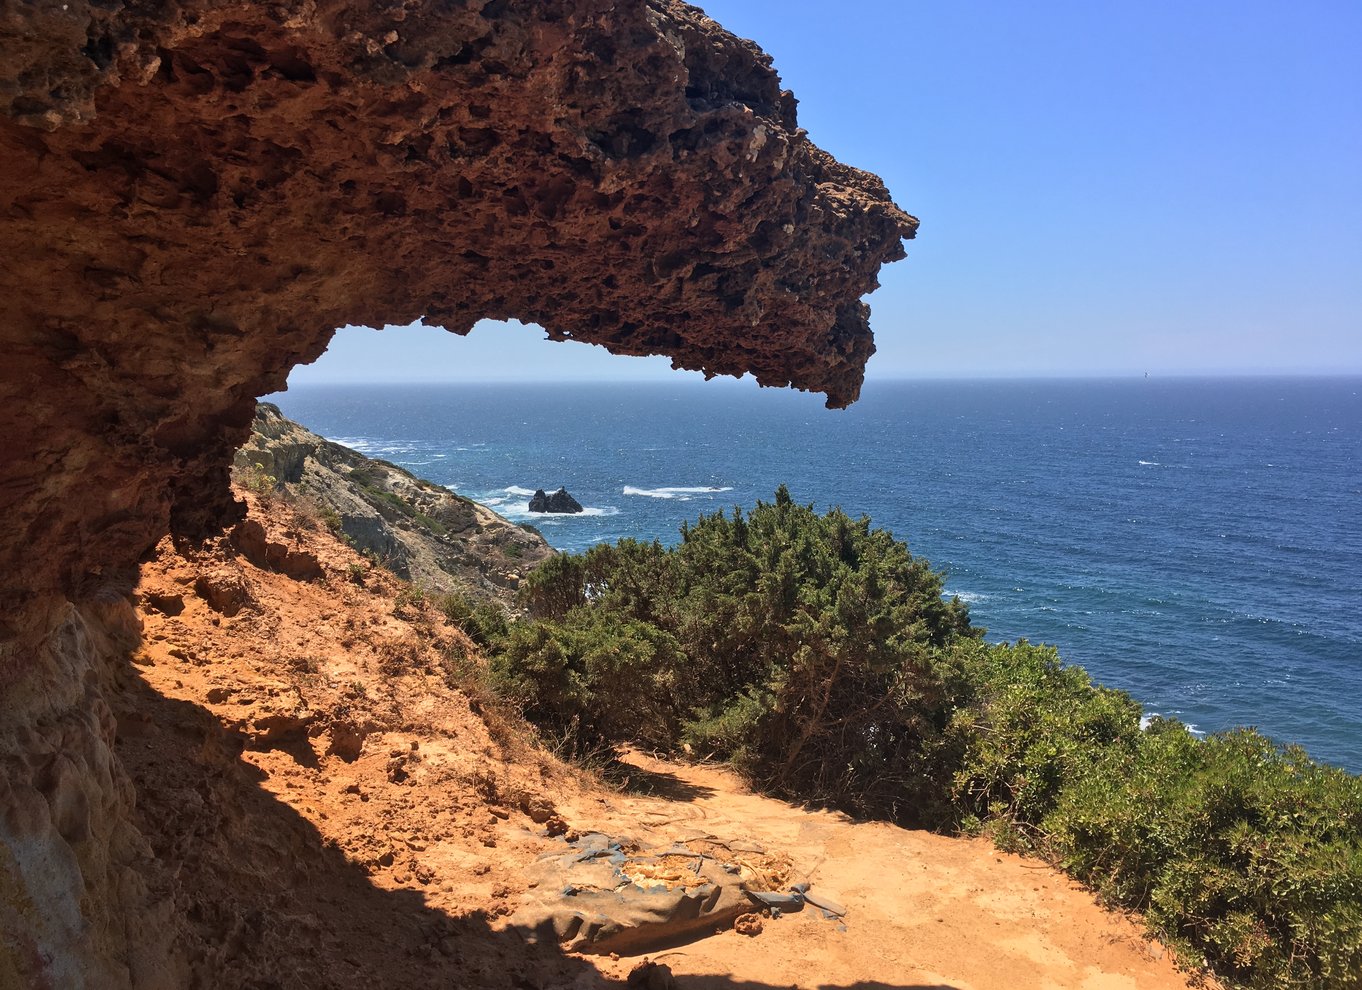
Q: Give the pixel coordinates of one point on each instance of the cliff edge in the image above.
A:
(422, 532)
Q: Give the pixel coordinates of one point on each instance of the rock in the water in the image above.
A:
(559, 501)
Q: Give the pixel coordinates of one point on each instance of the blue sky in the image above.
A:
(1104, 188)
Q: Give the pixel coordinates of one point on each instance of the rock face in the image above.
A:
(559, 501)
(426, 534)
(193, 195)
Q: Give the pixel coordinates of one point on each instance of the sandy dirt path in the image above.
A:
(924, 912)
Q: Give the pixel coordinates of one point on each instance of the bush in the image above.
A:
(1025, 726)
(590, 680)
(803, 650)
(1238, 851)
(483, 622)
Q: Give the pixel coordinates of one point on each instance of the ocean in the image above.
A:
(1195, 542)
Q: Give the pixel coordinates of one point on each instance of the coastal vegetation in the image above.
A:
(818, 656)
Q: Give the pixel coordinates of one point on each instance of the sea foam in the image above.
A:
(681, 493)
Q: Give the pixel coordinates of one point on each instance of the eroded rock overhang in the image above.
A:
(194, 195)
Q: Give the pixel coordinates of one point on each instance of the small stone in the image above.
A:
(651, 976)
(748, 924)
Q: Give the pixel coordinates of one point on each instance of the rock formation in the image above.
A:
(193, 195)
(559, 501)
(420, 531)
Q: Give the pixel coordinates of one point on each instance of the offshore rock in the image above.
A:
(193, 195)
(559, 501)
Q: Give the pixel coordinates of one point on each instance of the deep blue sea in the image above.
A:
(1197, 543)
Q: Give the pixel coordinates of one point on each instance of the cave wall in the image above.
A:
(193, 195)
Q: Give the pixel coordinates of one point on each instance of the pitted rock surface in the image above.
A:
(194, 196)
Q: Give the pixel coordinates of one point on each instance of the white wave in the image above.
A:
(968, 597)
(1148, 718)
(368, 446)
(1151, 463)
(675, 492)
(517, 490)
(523, 508)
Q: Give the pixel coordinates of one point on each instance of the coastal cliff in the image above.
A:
(423, 533)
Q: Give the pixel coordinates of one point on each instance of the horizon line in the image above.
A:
(745, 380)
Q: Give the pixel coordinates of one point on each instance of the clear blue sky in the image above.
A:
(1104, 188)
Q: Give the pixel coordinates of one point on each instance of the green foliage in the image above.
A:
(483, 622)
(1025, 726)
(1242, 855)
(591, 680)
(803, 649)
(330, 518)
(256, 479)
(367, 475)
(1239, 851)
(369, 479)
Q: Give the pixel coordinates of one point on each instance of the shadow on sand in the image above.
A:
(632, 779)
(270, 903)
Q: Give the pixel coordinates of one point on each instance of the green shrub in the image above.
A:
(256, 479)
(804, 649)
(1026, 726)
(483, 622)
(591, 680)
(1238, 851)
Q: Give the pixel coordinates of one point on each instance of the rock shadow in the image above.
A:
(270, 902)
(636, 780)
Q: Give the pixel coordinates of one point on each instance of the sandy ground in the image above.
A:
(923, 910)
(339, 806)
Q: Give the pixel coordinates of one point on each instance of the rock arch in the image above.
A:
(193, 196)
